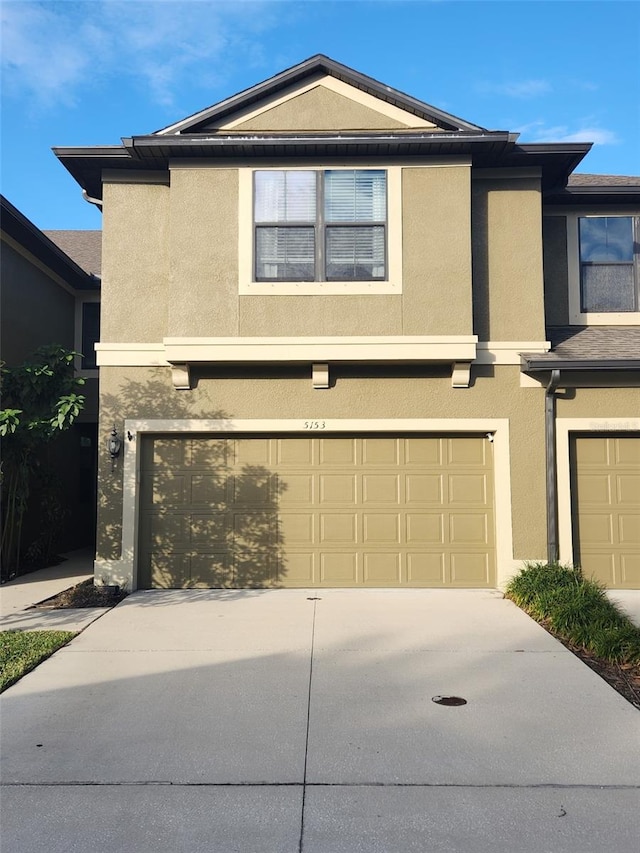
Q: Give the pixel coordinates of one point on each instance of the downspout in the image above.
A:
(91, 200)
(553, 550)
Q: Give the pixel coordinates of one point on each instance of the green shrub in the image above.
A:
(22, 651)
(577, 609)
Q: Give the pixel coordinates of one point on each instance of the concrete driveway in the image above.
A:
(297, 720)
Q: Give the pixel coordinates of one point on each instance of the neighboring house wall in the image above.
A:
(41, 298)
(36, 309)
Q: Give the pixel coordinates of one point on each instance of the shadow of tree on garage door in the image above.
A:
(207, 503)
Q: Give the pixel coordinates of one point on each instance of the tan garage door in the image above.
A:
(606, 509)
(302, 511)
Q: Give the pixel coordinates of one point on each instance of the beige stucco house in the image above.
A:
(349, 339)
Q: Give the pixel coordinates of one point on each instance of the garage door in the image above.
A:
(606, 508)
(302, 511)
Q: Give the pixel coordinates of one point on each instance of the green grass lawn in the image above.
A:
(22, 651)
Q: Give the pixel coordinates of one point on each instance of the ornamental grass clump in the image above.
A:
(577, 610)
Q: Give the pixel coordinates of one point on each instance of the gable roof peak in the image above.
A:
(297, 74)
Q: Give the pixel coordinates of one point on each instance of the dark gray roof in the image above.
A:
(84, 247)
(590, 347)
(585, 180)
(17, 227)
(309, 68)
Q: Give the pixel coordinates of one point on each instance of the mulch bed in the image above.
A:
(625, 678)
(85, 594)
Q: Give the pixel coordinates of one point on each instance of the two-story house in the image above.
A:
(349, 339)
(50, 294)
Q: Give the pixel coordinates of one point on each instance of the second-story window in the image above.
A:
(609, 263)
(328, 225)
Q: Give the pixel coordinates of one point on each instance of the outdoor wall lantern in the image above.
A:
(114, 445)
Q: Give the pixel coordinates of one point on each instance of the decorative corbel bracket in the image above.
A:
(461, 374)
(320, 375)
(181, 377)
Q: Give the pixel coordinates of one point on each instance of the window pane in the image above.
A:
(355, 196)
(606, 238)
(608, 287)
(285, 254)
(285, 196)
(355, 254)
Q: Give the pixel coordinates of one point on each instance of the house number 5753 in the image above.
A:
(314, 424)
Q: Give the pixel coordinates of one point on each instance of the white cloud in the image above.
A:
(517, 89)
(52, 51)
(539, 131)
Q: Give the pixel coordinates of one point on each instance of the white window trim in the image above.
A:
(91, 372)
(576, 315)
(124, 571)
(565, 427)
(247, 286)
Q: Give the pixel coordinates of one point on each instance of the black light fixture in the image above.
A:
(114, 445)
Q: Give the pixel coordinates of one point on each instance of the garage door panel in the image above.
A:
(628, 489)
(210, 489)
(606, 507)
(468, 529)
(296, 489)
(338, 528)
(298, 569)
(338, 451)
(380, 569)
(338, 488)
(339, 569)
(470, 569)
(320, 510)
(424, 488)
(298, 452)
(466, 452)
(630, 568)
(629, 530)
(380, 488)
(211, 569)
(426, 568)
(380, 451)
(425, 527)
(596, 489)
(213, 528)
(170, 489)
(627, 452)
(468, 489)
(381, 527)
(296, 529)
(423, 452)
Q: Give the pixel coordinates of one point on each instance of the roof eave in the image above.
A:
(533, 364)
(20, 229)
(317, 64)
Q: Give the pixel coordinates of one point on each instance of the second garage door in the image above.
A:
(302, 511)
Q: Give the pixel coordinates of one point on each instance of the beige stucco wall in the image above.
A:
(507, 260)
(319, 109)
(203, 251)
(556, 280)
(601, 402)
(34, 309)
(135, 262)
(367, 393)
(436, 246)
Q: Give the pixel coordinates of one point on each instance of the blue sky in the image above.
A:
(88, 72)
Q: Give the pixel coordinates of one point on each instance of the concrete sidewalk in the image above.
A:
(296, 720)
(19, 597)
